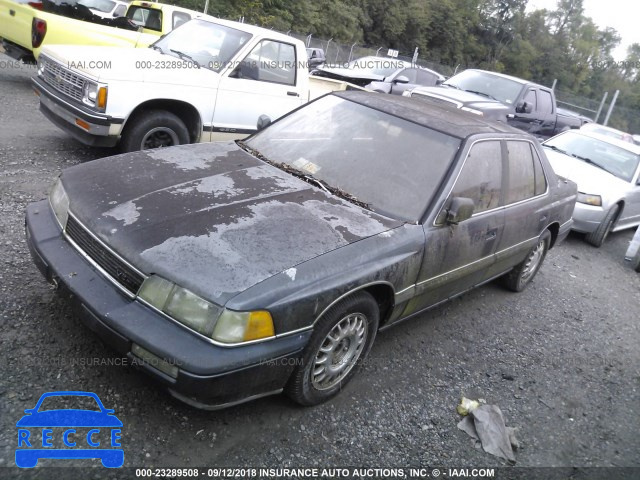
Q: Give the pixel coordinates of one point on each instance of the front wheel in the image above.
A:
(153, 129)
(522, 274)
(599, 235)
(342, 339)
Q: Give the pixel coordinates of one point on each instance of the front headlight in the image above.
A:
(203, 316)
(95, 95)
(595, 200)
(59, 203)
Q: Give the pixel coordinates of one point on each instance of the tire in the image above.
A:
(636, 262)
(522, 274)
(599, 235)
(344, 337)
(153, 129)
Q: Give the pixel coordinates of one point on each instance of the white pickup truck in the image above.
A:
(206, 80)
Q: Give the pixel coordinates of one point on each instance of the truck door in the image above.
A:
(536, 113)
(265, 82)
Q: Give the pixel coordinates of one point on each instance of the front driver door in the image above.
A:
(264, 83)
(459, 257)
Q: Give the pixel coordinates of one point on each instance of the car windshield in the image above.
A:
(616, 160)
(63, 402)
(486, 84)
(376, 65)
(213, 48)
(390, 164)
(101, 5)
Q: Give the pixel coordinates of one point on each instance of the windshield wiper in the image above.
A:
(482, 94)
(185, 56)
(555, 149)
(591, 162)
(305, 176)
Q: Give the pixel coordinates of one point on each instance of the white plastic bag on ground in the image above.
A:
(486, 425)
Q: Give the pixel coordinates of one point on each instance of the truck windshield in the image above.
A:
(209, 44)
(493, 86)
(391, 165)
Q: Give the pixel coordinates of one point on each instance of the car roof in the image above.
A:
(631, 147)
(502, 75)
(444, 118)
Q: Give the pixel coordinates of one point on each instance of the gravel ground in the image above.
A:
(561, 359)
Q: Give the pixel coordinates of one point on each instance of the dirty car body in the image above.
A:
(236, 270)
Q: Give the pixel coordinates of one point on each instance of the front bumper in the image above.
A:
(208, 376)
(65, 114)
(587, 218)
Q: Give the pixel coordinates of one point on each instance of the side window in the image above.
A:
(531, 99)
(410, 73)
(546, 105)
(521, 175)
(481, 176)
(269, 61)
(179, 18)
(120, 11)
(541, 181)
(425, 78)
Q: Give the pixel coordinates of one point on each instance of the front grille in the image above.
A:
(63, 80)
(119, 271)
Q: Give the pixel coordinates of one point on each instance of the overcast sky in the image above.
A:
(623, 15)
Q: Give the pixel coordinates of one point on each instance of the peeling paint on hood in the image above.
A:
(211, 217)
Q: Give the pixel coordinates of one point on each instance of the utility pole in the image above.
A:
(613, 102)
(604, 99)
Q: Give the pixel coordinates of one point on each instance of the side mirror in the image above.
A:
(461, 209)
(263, 121)
(401, 79)
(524, 107)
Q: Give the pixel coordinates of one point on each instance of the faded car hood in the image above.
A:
(590, 179)
(104, 64)
(211, 217)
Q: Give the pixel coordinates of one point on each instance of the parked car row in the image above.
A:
(219, 265)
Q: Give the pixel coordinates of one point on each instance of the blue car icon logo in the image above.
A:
(47, 431)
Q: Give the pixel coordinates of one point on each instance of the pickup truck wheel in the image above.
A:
(522, 274)
(599, 235)
(153, 129)
(342, 339)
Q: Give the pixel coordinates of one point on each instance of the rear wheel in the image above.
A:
(599, 235)
(342, 339)
(153, 129)
(522, 274)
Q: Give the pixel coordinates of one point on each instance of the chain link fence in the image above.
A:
(337, 54)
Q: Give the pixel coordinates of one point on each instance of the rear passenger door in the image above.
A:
(527, 208)
(458, 257)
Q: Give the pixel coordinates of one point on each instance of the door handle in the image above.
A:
(491, 235)
(293, 94)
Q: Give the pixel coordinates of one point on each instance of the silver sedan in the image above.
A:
(607, 172)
